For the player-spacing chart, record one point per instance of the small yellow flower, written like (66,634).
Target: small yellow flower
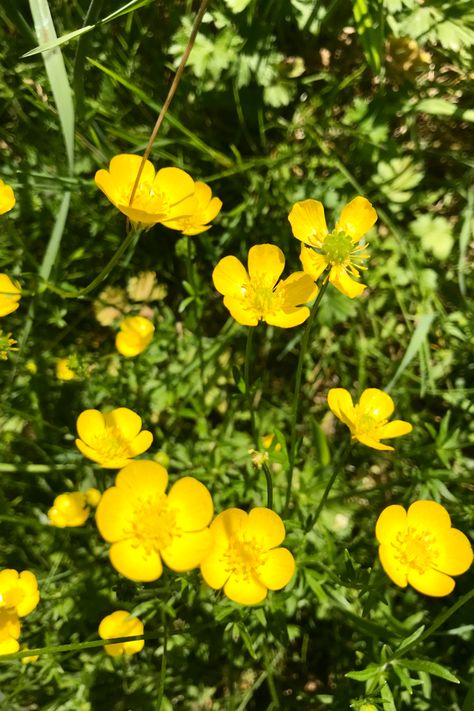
(7,198)
(146,526)
(7,345)
(30,659)
(69,510)
(18,591)
(368,421)
(340,249)
(207,209)
(419,547)
(64,371)
(112,439)
(258,295)
(267,441)
(136,333)
(121,624)
(10,295)
(245,558)
(160,197)
(10,629)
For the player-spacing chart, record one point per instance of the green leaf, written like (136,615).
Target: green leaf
(416,343)
(441,107)
(425,665)
(409,641)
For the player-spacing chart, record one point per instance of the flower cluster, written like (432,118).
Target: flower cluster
(73,508)
(169,197)
(19,596)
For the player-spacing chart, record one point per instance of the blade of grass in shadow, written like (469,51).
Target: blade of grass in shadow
(92,14)
(416,343)
(464,241)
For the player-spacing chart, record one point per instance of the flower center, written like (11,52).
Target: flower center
(153,525)
(243,558)
(111,444)
(367,423)
(416,549)
(145,198)
(337,246)
(11,598)
(260,297)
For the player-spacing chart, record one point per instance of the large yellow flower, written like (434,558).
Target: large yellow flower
(145,526)
(121,624)
(340,249)
(245,558)
(135,335)
(207,209)
(368,421)
(112,439)
(257,295)
(166,195)
(10,295)
(7,198)
(10,629)
(419,547)
(18,591)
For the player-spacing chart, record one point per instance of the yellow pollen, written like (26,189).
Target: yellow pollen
(244,558)
(260,297)
(111,444)
(416,549)
(153,525)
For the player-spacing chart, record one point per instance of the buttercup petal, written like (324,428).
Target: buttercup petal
(187,551)
(145,478)
(429,515)
(248,591)
(265,263)
(376,403)
(341,405)
(29,585)
(392,566)
(114,514)
(121,624)
(396,428)
(391,522)
(431,582)
(369,441)
(341,280)
(308,222)
(176,184)
(313,263)
(127,422)
(191,503)
(298,289)
(267,526)
(124,169)
(278,569)
(455,552)
(357,217)
(7,198)
(239,311)
(93,454)
(230,277)
(287,319)
(130,559)
(141,443)
(90,425)
(228,524)
(214,573)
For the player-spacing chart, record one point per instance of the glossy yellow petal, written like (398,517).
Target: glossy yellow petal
(96,456)
(313,263)
(370,441)
(90,425)
(191,503)
(240,311)
(431,582)
(455,553)
(392,566)
(265,264)
(267,526)
(308,222)
(298,289)
(429,515)
(187,551)
(376,403)
(396,428)
(129,345)
(131,559)
(341,405)
(245,591)
(145,479)
(278,569)
(287,319)
(228,524)
(7,198)
(121,624)
(341,280)
(114,514)
(230,277)
(175,184)
(141,443)
(10,295)
(125,166)
(69,509)
(127,422)
(390,523)
(357,218)
(213,570)
(8,645)
(30,594)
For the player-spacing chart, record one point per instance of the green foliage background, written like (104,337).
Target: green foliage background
(281,101)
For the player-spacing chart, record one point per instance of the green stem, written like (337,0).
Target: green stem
(297,392)
(161,688)
(197,303)
(336,470)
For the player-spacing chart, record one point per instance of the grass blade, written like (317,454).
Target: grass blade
(416,343)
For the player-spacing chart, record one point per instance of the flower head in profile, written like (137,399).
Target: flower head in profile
(245,558)
(207,209)
(18,591)
(10,295)
(368,420)
(112,439)
(340,249)
(135,335)
(121,624)
(73,508)
(257,294)
(419,547)
(7,345)
(146,527)
(10,629)
(159,197)
(7,198)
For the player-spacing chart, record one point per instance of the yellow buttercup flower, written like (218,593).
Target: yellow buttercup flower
(207,209)
(340,249)
(31,659)
(112,439)
(121,624)
(368,421)
(93,496)
(64,371)
(146,526)
(18,591)
(10,629)
(258,295)
(136,333)
(69,510)
(7,198)
(419,547)
(159,197)
(10,295)
(245,558)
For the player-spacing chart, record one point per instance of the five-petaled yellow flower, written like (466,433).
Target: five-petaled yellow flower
(207,209)
(135,335)
(340,249)
(121,624)
(18,591)
(7,198)
(245,558)
(368,421)
(72,509)
(258,295)
(419,547)
(146,526)
(10,295)
(112,439)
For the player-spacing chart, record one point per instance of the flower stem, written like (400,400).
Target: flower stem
(297,392)
(336,470)
(197,306)
(161,688)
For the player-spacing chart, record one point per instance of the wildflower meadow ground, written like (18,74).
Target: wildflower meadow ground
(236,356)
